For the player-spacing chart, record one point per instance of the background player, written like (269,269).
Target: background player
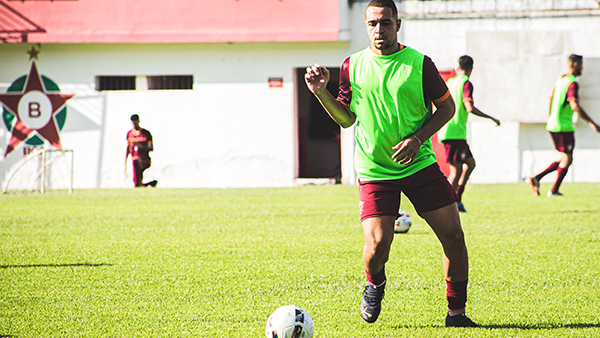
(139,145)
(563,103)
(388,88)
(454,134)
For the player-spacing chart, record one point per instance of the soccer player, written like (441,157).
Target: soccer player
(454,134)
(139,145)
(563,103)
(387,90)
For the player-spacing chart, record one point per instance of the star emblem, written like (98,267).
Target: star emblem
(34,111)
(33,53)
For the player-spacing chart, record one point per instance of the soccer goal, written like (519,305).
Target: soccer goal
(42,169)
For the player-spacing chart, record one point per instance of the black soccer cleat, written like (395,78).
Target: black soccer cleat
(459,321)
(370,307)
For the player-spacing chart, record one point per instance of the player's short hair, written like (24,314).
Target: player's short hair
(575,58)
(465,62)
(384,4)
(135,117)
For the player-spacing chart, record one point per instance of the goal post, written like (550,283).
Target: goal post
(42,169)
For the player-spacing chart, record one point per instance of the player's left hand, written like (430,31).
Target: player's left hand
(406,150)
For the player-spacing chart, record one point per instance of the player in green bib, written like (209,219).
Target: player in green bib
(387,91)
(454,134)
(563,104)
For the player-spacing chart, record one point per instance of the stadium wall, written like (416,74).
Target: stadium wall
(233,130)
(518,57)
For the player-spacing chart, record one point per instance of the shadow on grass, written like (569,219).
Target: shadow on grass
(52,266)
(542,326)
(539,326)
(578,212)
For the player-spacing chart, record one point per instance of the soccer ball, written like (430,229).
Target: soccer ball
(290,321)
(403,222)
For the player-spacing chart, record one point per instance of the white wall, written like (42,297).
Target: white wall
(517,60)
(232,130)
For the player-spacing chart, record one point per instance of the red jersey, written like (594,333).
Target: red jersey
(139,143)
(468,91)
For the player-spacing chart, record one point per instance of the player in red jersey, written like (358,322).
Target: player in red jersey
(139,145)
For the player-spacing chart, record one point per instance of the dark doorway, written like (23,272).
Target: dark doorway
(317,135)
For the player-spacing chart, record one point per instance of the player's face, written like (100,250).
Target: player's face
(382,28)
(136,124)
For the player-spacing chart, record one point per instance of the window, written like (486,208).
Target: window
(172,82)
(115,83)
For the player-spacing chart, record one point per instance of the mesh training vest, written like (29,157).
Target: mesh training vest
(387,97)
(561,114)
(456,128)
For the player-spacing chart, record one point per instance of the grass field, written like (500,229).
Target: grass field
(216,263)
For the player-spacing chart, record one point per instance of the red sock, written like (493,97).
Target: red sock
(456,293)
(553,166)
(562,172)
(377,278)
(459,191)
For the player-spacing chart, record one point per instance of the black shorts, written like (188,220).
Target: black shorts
(457,151)
(564,141)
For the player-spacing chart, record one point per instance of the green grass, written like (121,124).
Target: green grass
(216,263)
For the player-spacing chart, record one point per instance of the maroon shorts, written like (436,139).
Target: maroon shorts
(564,141)
(427,189)
(457,151)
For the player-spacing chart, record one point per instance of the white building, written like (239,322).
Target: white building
(248,120)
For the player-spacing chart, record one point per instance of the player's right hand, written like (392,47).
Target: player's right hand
(316,78)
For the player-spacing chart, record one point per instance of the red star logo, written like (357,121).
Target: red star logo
(34,110)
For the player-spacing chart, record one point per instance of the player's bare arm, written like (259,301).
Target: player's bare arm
(407,149)
(317,78)
(577,108)
(470,107)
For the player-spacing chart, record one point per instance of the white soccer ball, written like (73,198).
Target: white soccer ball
(290,321)
(403,222)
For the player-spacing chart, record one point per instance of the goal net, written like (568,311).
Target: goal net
(40,170)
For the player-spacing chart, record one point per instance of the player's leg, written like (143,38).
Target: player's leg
(138,172)
(378,234)
(379,203)
(455,165)
(534,181)
(435,201)
(468,167)
(445,223)
(454,174)
(146,164)
(566,159)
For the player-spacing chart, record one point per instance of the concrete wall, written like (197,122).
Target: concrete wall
(517,60)
(232,130)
